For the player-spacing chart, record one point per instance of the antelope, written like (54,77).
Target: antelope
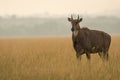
(87,41)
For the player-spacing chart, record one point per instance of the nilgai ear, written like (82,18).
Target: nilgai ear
(80,19)
(69,19)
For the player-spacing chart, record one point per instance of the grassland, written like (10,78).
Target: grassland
(53,58)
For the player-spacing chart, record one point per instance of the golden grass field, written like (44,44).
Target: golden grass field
(53,58)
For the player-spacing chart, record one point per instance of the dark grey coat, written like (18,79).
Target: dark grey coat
(91,41)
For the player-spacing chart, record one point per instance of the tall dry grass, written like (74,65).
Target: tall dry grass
(53,58)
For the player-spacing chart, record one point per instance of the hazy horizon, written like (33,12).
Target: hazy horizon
(49,17)
(14,26)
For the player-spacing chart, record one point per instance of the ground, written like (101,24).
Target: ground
(53,58)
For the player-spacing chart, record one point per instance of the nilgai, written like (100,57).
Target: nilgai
(87,41)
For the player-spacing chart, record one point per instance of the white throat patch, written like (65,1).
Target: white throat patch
(75,33)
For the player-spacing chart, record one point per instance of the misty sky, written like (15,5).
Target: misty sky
(60,7)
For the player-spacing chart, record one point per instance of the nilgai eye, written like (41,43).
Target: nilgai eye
(76,22)
(72,29)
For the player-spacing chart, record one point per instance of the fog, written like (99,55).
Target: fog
(60,7)
(12,26)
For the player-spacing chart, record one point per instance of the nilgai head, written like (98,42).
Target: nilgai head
(75,24)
